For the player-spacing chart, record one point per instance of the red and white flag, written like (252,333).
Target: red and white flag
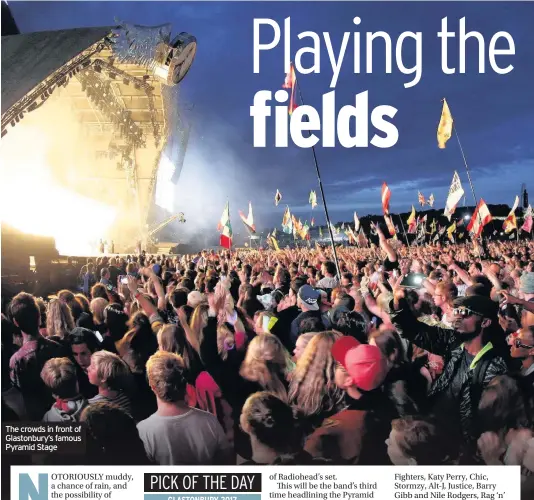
(456,192)
(510,223)
(249,219)
(226,236)
(527,224)
(386,195)
(480,218)
(291,83)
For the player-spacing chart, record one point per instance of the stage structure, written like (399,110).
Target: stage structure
(85,122)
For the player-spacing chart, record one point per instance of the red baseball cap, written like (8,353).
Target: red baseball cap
(365,363)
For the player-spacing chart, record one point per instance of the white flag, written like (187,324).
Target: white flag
(456,192)
(356,223)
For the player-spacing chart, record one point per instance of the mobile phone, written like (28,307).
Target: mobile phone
(413,280)
(124,280)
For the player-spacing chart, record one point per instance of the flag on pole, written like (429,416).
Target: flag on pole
(456,192)
(356,223)
(445,125)
(350,235)
(224,217)
(274,242)
(421,198)
(433,226)
(411,219)
(226,236)
(480,218)
(450,230)
(249,219)
(431,200)
(527,224)
(274,232)
(312,222)
(287,224)
(412,222)
(362,240)
(510,222)
(277,197)
(291,83)
(386,195)
(421,232)
(320,231)
(389,224)
(313,199)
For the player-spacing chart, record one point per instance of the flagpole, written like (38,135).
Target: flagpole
(323,196)
(468,175)
(466,167)
(404,231)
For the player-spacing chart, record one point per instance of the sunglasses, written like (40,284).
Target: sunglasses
(518,344)
(464,311)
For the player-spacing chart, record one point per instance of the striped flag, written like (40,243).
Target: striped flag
(445,126)
(480,218)
(224,218)
(249,219)
(226,236)
(386,195)
(291,83)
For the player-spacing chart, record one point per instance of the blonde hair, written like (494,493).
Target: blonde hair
(59,320)
(97,307)
(312,389)
(268,363)
(111,370)
(59,375)
(199,320)
(165,372)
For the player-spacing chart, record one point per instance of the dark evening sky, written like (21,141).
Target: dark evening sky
(494,113)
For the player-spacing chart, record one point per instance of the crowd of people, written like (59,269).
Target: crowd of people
(279,357)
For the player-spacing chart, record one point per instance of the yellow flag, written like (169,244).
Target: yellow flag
(451,230)
(445,126)
(411,219)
